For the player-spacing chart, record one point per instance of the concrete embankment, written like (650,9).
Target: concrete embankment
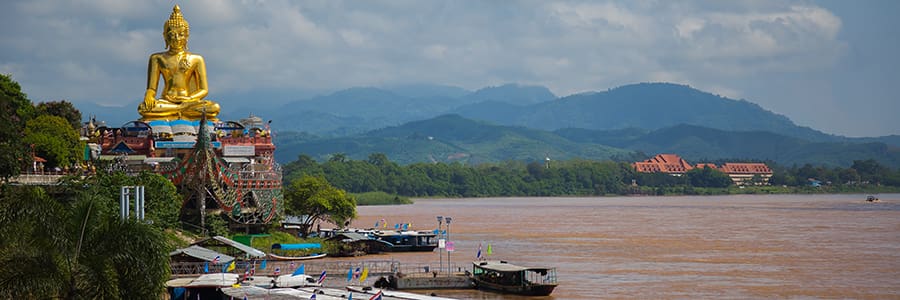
(420,282)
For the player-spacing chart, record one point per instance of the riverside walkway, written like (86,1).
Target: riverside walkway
(339,274)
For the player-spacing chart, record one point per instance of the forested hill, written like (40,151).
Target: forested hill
(452,138)
(648,106)
(696,144)
(448,138)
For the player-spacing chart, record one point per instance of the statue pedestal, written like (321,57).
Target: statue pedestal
(178,130)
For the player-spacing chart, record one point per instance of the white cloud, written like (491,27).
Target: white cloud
(354,38)
(435,52)
(569,46)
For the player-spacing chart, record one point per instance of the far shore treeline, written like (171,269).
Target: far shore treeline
(575,178)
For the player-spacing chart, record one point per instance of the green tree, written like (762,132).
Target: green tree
(708,177)
(338,157)
(63,109)
(74,250)
(870,170)
(15,110)
(304,165)
(315,198)
(54,140)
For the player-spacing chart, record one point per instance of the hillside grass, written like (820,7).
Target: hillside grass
(278,237)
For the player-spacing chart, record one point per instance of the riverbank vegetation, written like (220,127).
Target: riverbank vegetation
(577,178)
(380,198)
(68,241)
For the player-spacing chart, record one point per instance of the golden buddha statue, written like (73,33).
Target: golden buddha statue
(184,78)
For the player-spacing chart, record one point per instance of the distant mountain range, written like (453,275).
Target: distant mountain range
(530,122)
(701,144)
(448,138)
(452,138)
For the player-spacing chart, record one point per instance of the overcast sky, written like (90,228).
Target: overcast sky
(830,65)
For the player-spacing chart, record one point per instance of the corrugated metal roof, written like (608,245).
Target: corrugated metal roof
(253,252)
(202,253)
(504,267)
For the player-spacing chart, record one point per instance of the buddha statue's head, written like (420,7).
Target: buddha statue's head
(176,30)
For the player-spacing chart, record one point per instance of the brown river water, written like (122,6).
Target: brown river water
(685,247)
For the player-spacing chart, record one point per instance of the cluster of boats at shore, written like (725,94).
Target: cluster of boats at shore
(497,276)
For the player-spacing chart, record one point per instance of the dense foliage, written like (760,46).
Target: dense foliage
(317,199)
(48,130)
(70,242)
(15,110)
(861,173)
(53,139)
(558,178)
(63,109)
(576,177)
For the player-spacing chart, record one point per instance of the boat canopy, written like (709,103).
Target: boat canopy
(502,266)
(296,246)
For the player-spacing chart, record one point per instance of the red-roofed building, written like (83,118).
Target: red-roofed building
(706,165)
(740,173)
(743,173)
(664,163)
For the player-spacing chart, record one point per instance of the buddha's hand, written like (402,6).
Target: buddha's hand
(149,103)
(182,99)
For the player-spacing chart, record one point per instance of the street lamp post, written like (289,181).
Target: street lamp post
(449,266)
(440,249)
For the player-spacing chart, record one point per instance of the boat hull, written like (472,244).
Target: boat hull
(279,257)
(402,248)
(528,290)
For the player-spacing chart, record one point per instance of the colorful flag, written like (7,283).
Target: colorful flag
(313,297)
(357,273)
(300,270)
(206,268)
(478,255)
(321,278)
(216,260)
(350,274)
(230,267)
(350,297)
(365,274)
(383,223)
(490,250)
(450,246)
(277,271)
(263,265)
(377,296)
